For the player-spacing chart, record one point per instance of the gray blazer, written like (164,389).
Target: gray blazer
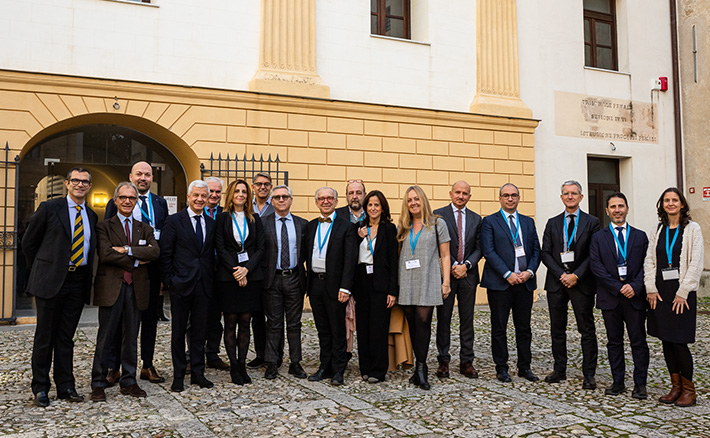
(271,249)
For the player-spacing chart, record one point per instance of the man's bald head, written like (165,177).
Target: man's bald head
(142,176)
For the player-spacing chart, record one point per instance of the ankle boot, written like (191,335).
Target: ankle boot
(414,380)
(687,395)
(235,374)
(422,372)
(673,395)
(243,371)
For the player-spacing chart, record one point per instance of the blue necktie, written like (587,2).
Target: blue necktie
(198,231)
(144,210)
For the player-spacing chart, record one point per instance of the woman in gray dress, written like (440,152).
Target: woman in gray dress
(423,239)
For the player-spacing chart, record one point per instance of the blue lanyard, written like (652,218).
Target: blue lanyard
(321,244)
(669,248)
(618,244)
(241,235)
(149,213)
(413,242)
(213,215)
(574,231)
(517,220)
(369,241)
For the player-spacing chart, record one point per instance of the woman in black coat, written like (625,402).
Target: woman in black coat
(239,241)
(375,285)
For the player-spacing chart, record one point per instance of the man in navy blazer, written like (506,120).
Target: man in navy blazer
(465,250)
(187,262)
(512,251)
(616,259)
(565,252)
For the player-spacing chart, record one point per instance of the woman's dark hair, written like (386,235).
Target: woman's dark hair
(684,211)
(385,216)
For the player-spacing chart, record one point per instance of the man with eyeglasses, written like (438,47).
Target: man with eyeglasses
(331,252)
(152,210)
(122,289)
(284,283)
(59,246)
(565,252)
(512,251)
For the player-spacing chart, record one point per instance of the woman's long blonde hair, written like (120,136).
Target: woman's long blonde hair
(248,206)
(406,219)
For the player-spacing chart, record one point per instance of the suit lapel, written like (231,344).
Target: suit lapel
(581,225)
(187,225)
(503,224)
(469,224)
(117,228)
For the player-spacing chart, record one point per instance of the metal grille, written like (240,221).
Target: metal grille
(8,234)
(230,169)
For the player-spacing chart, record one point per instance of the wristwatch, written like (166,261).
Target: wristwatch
(468,264)
(126,248)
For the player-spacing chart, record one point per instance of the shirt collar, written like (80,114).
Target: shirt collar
(278,217)
(576,213)
(73,204)
(331,216)
(192,213)
(124,218)
(456,209)
(623,227)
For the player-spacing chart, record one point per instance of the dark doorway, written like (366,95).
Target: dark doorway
(603,180)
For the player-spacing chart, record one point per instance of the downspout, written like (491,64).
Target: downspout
(676,97)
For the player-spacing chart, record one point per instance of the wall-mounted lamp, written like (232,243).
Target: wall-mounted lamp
(99,200)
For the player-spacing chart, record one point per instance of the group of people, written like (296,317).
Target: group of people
(251,262)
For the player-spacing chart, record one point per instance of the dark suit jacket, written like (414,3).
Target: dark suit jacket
(160,210)
(341,255)
(228,248)
(47,246)
(112,264)
(472,239)
(499,250)
(603,263)
(271,249)
(385,259)
(553,245)
(182,263)
(344,212)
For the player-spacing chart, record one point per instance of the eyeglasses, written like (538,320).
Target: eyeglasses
(76,182)
(510,195)
(325,198)
(262,184)
(127,198)
(281,197)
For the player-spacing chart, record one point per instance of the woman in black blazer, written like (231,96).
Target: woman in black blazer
(239,241)
(375,285)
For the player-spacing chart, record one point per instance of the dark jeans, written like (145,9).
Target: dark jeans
(466,294)
(518,299)
(283,299)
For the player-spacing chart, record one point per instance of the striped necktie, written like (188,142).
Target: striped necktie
(77,244)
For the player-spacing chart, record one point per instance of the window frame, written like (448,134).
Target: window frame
(593,17)
(382,15)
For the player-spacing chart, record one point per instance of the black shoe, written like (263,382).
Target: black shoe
(272,371)
(319,375)
(71,395)
(177,385)
(615,389)
(556,377)
(503,376)
(201,381)
(639,392)
(589,383)
(241,367)
(337,379)
(236,375)
(528,374)
(256,362)
(41,399)
(297,370)
(422,372)
(217,364)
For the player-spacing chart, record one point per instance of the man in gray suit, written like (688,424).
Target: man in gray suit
(284,283)
(465,230)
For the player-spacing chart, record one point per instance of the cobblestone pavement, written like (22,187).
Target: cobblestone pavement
(291,407)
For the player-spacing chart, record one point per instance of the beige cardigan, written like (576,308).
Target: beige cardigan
(691,261)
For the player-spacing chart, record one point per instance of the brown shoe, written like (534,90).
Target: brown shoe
(98,395)
(151,375)
(133,390)
(673,395)
(687,395)
(112,377)
(469,371)
(443,370)
(218,364)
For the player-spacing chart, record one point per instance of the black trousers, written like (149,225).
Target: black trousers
(57,320)
(583,307)
(329,316)
(635,321)
(123,317)
(466,294)
(193,308)
(215,331)
(258,328)
(520,300)
(372,322)
(283,299)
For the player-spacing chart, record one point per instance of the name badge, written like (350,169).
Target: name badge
(519,251)
(567,257)
(412,264)
(156,233)
(670,274)
(141,242)
(369,269)
(622,270)
(243,257)
(319,264)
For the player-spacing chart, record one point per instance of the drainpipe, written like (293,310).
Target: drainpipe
(676,97)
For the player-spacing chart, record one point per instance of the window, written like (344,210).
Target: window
(390,18)
(600,49)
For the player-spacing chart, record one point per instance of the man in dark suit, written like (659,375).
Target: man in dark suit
(284,282)
(187,261)
(616,259)
(261,188)
(465,249)
(59,246)
(565,252)
(122,289)
(512,251)
(152,210)
(329,243)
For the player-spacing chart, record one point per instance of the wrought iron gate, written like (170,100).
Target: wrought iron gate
(230,169)
(8,234)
